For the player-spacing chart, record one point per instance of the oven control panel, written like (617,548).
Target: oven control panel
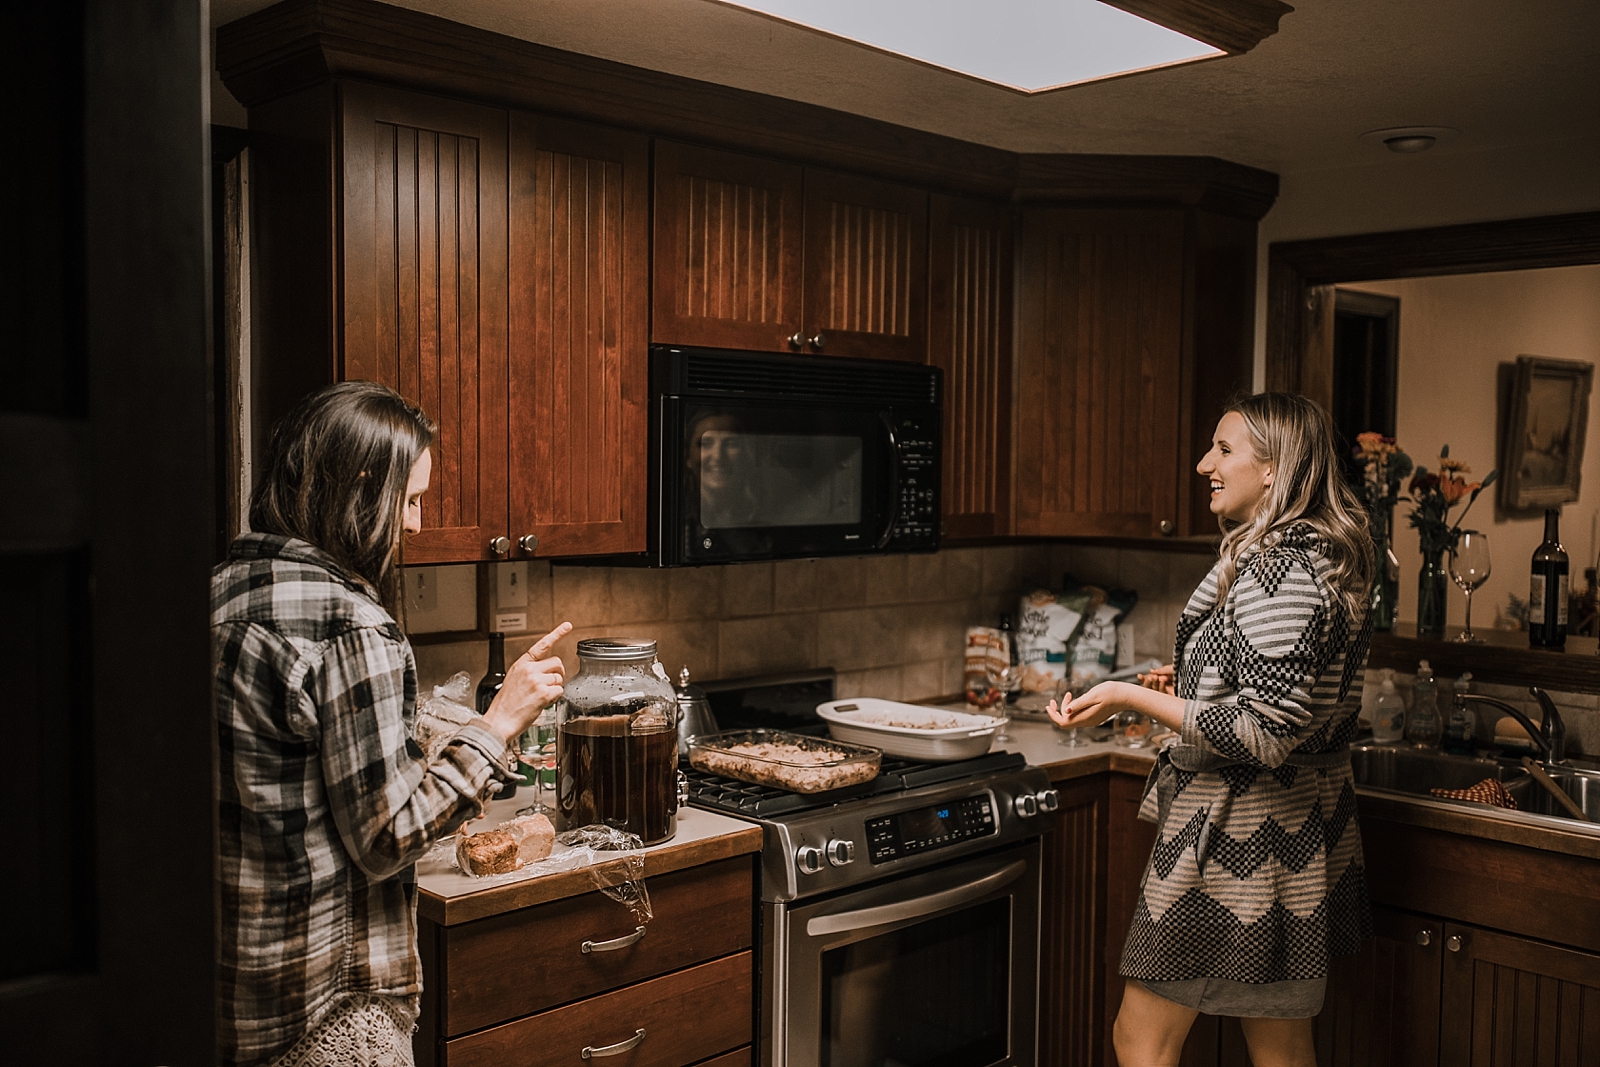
(907,833)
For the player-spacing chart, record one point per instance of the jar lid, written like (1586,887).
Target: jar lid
(611,648)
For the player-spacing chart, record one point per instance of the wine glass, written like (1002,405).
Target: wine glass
(1469,568)
(1003,680)
(539,755)
(1063,697)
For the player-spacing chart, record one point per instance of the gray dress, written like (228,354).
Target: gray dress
(1256,879)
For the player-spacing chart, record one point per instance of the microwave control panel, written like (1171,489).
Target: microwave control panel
(907,833)
(916,521)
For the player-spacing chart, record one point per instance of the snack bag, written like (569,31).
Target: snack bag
(987,656)
(1093,654)
(1046,624)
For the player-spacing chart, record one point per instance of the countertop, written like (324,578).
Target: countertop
(1041,744)
(448,897)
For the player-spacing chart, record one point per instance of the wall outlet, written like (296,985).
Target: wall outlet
(440,599)
(511,622)
(511,585)
(422,589)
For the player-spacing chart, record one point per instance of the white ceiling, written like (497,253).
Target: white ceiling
(1504,74)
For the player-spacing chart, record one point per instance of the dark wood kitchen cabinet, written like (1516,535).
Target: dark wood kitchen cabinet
(1382,1004)
(1512,1000)
(753,253)
(1098,365)
(579,321)
(538,985)
(492,267)
(422,201)
(1133,328)
(969,338)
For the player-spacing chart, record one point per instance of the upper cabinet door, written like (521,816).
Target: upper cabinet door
(579,356)
(969,338)
(866,254)
(727,250)
(1099,372)
(424,294)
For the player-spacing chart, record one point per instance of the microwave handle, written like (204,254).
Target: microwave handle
(900,911)
(894,480)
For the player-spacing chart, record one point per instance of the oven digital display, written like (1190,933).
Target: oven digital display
(935,826)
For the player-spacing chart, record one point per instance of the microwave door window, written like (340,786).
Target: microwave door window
(751,480)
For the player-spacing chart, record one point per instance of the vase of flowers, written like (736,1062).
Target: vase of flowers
(1434,494)
(1383,468)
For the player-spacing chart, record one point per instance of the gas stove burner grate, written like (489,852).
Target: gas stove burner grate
(897,775)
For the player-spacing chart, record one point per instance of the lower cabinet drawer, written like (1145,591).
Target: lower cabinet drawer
(737,1058)
(685,1017)
(531,960)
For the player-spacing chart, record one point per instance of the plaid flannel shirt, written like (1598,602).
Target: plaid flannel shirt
(323,800)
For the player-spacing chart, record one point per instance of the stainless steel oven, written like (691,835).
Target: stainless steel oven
(759,456)
(937,968)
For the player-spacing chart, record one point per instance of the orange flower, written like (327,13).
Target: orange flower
(1454,489)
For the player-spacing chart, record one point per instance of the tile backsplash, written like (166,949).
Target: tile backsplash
(892,626)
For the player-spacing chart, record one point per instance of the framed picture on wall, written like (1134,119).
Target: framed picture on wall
(1543,457)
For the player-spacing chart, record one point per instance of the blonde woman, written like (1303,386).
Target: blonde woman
(1256,879)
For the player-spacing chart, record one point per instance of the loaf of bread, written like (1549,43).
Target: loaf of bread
(491,852)
(535,836)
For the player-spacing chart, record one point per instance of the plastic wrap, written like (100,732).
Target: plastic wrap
(443,715)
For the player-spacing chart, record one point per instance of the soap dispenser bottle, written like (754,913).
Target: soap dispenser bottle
(1388,712)
(1423,725)
(1461,731)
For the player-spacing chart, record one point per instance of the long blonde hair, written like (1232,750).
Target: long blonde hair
(1295,437)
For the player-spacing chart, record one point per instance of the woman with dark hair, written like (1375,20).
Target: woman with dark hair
(324,798)
(1256,879)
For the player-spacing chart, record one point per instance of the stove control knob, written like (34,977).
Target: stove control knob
(841,852)
(1049,800)
(808,858)
(1026,805)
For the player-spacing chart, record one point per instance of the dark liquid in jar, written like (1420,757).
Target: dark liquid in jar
(606,773)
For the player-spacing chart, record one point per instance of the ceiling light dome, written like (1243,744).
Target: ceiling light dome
(1409,140)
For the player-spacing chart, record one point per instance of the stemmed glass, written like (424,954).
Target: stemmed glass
(1003,681)
(539,754)
(1469,568)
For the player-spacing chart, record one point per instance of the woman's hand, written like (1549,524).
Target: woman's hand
(1161,679)
(532,684)
(1099,704)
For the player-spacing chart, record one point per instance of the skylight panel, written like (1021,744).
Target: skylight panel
(1028,45)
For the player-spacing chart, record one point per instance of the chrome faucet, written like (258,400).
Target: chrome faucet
(1551,733)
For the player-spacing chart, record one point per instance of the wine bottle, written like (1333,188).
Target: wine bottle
(490,686)
(1547,596)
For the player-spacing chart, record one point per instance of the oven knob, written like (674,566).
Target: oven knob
(841,852)
(1049,800)
(808,858)
(1027,805)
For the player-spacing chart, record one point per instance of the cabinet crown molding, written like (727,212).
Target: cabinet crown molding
(299,43)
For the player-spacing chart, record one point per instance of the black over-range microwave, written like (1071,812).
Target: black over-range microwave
(759,456)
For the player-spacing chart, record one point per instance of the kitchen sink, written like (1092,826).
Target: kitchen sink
(1411,770)
(1583,786)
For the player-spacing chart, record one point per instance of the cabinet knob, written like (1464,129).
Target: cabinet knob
(1424,938)
(1453,943)
(500,545)
(1167,527)
(797,339)
(529,543)
(816,342)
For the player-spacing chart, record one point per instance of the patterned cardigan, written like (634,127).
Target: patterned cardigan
(1257,874)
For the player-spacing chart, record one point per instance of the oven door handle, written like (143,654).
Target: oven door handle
(894,481)
(916,908)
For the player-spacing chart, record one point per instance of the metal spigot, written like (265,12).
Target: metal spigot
(1550,735)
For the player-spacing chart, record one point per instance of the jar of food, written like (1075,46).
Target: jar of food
(617,741)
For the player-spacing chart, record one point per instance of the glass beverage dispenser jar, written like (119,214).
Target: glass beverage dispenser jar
(617,742)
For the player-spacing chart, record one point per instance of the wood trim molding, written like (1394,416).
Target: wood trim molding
(1235,26)
(1295,270)
(299,43)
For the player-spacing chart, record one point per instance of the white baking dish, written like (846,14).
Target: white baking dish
(910,730)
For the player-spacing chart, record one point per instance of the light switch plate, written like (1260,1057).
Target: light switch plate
(511,585)
(422,589)
(440,599)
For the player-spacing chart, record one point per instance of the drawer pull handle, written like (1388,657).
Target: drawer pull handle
(613,945)
(590,1052)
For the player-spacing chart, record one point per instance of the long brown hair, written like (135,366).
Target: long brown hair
(1295,437)
(336,473)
